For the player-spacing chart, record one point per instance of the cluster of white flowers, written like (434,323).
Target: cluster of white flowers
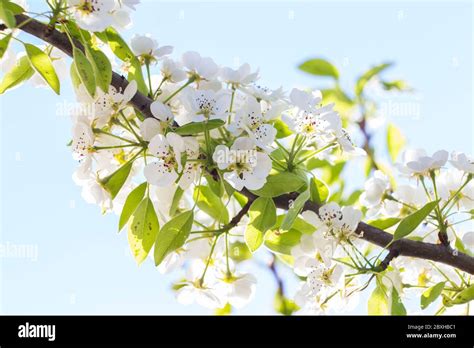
(97,15)
(196,91)
(314,255)
(211,124)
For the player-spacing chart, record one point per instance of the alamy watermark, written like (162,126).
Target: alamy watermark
(19,251)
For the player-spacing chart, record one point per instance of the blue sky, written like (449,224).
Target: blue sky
(82,264)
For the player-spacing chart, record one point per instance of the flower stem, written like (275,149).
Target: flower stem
(191,80)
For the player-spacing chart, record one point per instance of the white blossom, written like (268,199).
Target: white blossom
(245,167)
(418,162)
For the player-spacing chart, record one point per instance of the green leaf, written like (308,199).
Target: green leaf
(409,223)
(42,63)
(21,71)
(397,307)
(114,182)
(143,230)
(117,44)
(123,52)
(198,127)
(294,210)
(299,224)
(4,44)
(279,184)
(211,204)
(75,79)
(102,68)
(378,302)
(431,294)
(131,203)
(282,242)
(320,67)
(395,141)
(369,74)
(319,191)
(11,6)
(239,251)
(6,15)
(284,305)
(262,215)
(463,297)
(216,186)
(384,223)
(282,129)
(173,235)
(85,71)
(135,73)
(178,194)
(398,85)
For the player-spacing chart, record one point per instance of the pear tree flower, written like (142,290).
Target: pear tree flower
(264,93)
(199,68)
(196,289)
(106,105)
(169,150)
(244,165)
(96,15)
(239,78)
(462,162)
(147,49)
(254,123)
(417,162)
(172,71)
(202,105)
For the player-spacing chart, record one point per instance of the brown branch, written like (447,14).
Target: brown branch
(403,247)
(61,41)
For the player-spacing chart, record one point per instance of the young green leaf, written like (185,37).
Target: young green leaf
(397,307)
(102,68)
(369,74)
(114,182)
(85,71)
(409,223)
(282,129)
(294,210)
(42,63)
(143,230)
(299,224)
(262,215)
(239,251)
(211,204)
(131,203)
(135,73)
(431,294)
(178,194)
(75,79)
(384,223)
(6,15)
(320,67)
(282,242)
(279,184)
(117,44)
(172,235)
(378,302)
(318,190)
(395,141)
(22,71)
(198,127)
(4,44)
(462,297)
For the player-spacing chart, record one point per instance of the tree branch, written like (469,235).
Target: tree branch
(403,247)
(61,41)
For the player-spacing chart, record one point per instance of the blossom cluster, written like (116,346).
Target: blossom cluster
(214,142)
